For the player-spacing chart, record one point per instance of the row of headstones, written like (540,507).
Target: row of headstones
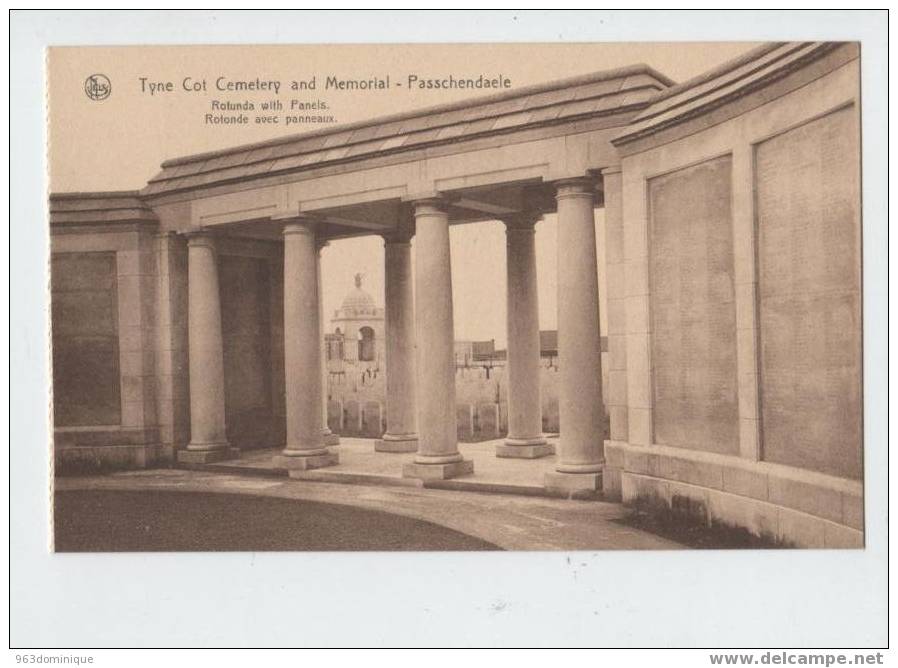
(479,422)
(475,422)
(356,418)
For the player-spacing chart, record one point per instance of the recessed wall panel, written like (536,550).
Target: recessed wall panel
(86,381)
(809,285)
(246,337)
(693,316)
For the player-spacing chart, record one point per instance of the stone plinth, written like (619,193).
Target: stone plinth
(438,471)
(525,450)
(306,462)
(207,456)
(574,485)
(394,443)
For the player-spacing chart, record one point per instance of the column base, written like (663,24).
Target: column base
(330,438)
(207,456)
(306,462)
(387,444)
(574,485)
(438,471)
(531,448)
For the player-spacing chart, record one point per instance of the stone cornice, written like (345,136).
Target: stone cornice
(726,85)
(100,208)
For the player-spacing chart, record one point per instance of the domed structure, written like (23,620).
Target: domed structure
(357,301)
(357,329)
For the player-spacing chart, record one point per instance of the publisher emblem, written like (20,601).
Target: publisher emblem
(97,87)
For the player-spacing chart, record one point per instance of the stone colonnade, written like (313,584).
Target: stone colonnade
(420,340)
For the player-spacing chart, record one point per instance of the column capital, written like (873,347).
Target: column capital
(582,186)
(428,203)
(523,221)
(200,237)
(299,225)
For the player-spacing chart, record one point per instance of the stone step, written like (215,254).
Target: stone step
(487,487)
(354,478)
(234,469)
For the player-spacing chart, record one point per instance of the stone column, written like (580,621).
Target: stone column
(617,304)
(438,455)
(615,317)
(525,437)
(330,438)
(581,413)
(302,352)
(208,439)
(401,434)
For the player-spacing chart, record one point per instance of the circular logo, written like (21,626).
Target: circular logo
(97,87)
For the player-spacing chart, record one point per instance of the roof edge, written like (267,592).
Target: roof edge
(594,77)
(99,194)
(715,72)
(652,123)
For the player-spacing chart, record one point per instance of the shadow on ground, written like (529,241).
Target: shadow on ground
(121,521)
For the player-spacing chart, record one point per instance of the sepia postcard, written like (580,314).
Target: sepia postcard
(541,297)
(448,329)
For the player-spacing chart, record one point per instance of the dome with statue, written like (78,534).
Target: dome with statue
(357,301)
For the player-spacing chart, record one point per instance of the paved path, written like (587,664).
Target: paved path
(510,522)
(358,458)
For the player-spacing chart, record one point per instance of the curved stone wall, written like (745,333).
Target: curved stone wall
(752,303)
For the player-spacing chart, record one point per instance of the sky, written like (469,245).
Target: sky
(119,143)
